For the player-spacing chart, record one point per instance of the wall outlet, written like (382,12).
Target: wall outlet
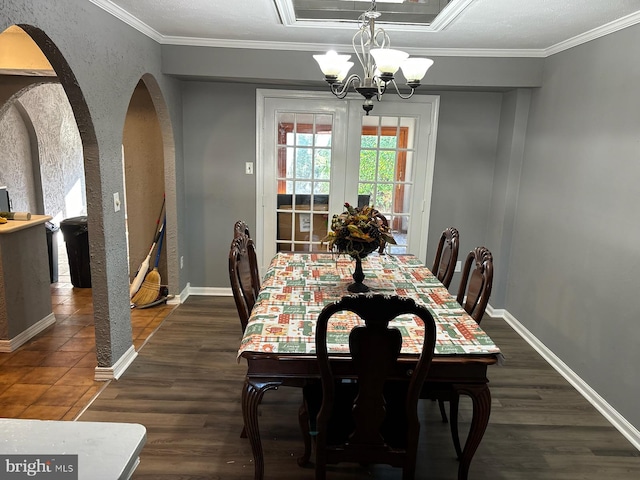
(248,168)
(116,202)
(458,266)
(182,261)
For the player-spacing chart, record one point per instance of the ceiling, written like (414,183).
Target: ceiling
(533,28)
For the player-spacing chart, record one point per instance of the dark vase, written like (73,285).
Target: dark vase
(358,276)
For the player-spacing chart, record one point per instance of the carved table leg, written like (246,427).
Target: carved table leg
(481,398)
(252,394)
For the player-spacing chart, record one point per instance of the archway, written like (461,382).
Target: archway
(53,68)
(148,161)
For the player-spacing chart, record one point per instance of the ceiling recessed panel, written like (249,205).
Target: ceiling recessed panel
(408,12)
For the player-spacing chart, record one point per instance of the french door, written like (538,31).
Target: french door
(316,152)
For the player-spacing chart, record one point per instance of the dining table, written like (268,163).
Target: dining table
(279,340)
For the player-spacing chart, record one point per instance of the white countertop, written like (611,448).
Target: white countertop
(106,451)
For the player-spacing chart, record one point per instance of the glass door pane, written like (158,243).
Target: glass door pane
(385,175)
(304,154)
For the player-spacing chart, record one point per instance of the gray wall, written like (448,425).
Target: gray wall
(220,136)
(100,60)
(575,256)
(299,68)
(219,122)
(464,169)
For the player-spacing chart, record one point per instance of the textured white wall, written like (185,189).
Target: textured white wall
(15,162)
(58,149)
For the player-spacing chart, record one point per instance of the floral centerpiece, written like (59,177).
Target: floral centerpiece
(358,232)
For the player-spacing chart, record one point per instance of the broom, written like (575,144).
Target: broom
(144,266)
(150,288)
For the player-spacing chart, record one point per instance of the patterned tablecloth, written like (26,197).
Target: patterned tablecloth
(298,285)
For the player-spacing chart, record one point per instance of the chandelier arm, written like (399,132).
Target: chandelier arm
(404,97)
(373,83)
(359,53)
(341,90)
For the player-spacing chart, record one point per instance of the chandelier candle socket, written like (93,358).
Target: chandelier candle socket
(379,63)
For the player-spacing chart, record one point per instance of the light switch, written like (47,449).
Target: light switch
(248,168)
(116,202)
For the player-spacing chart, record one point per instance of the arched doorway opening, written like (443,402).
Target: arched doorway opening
(148,159)
(23,89)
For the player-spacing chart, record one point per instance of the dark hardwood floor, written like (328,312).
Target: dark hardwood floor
(185,387)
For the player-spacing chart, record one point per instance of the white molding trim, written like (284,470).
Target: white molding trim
(7,346)
(601,31)
(611,414)
(103,374)
(121,14)
(322,47)
(184,294)
(145,29)
(211,291)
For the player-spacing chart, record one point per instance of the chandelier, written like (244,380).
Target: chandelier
(379,63)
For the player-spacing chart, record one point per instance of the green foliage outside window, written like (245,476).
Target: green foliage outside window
(377,166)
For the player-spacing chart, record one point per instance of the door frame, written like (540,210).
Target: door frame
(261,176)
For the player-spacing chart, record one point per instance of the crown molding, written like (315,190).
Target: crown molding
(321,47)
(456,8)
(601,31)
(127,18)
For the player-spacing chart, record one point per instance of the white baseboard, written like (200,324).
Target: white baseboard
(103,374)
(7,346)
(211,291)
(630,432)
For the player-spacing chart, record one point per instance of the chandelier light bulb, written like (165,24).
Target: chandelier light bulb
(331,63)
(388,60)
(414,69)
(345,71)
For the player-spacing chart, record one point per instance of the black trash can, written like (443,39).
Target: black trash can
(52,247)
(76,236)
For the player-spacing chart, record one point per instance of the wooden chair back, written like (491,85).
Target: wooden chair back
(444,264)
(475,285)
(381,416)
(245,284)
(241,228)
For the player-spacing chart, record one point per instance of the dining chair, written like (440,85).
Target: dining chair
(241,228)
(444,264)
(475,286)
(244,277)
(473,294)
(376,420)
(245,284)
